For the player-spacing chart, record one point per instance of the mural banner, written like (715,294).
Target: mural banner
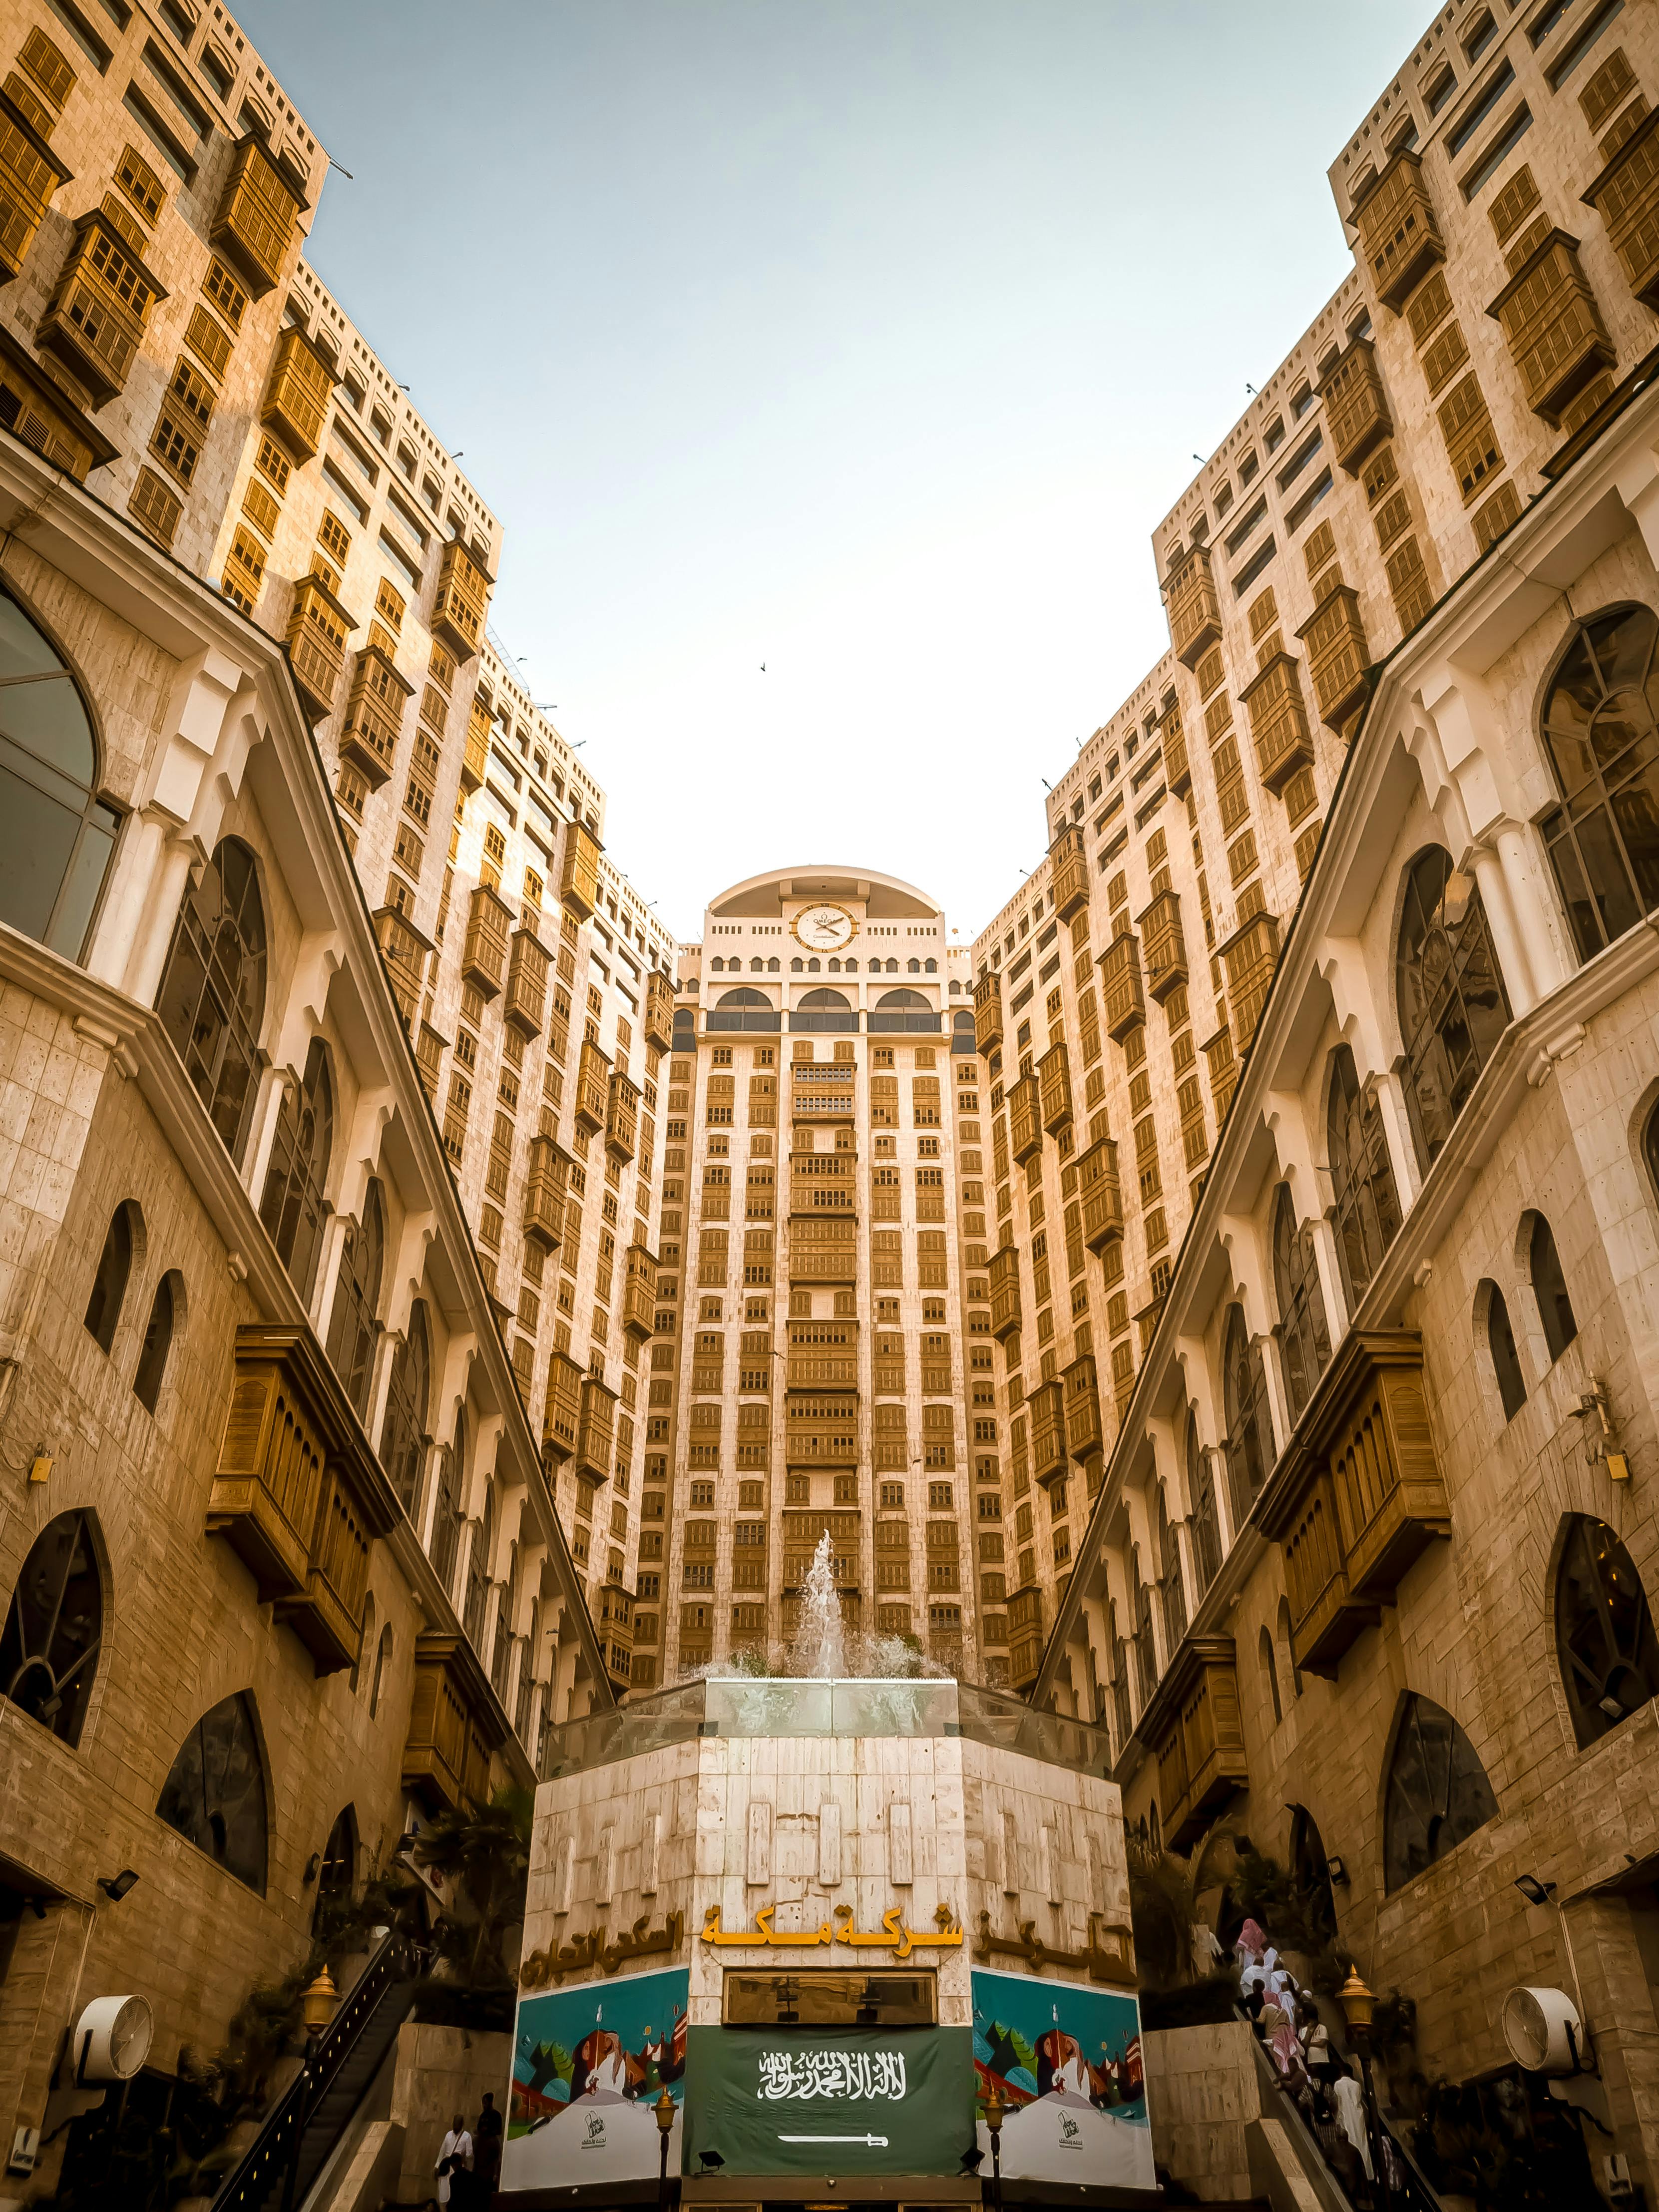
(588,2065)
(829,2100)
(1066,2060)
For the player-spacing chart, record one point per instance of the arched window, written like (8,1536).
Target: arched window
(758,966)
(408,1396)
(813,967)
(1121,1711)
(293,1208)
(797,966)
(353,1330)
(382,1661)
(1507,1361)
(54,1627)
(1145,1638)
(1270,1675)
(1172,1588)
(1437,1792)
(773,966)
(904,998)
(824,997)
(850,967)
(1311,1869)
(1549,1287)
(1604,1638)
(478,1571)
(1250,1449)
(1366,1213)
(527,1684)
(1600,730)
(744,996)
(366,1642)
(930,967)
(212,999)
(109,1285)
(215,1793)
(447,1507)
(336,1877)
(1206,1512)
(892,967)
(166,1310)
(1304,1338)
(56,833)
(1452,1003)
(913,967)
(1289,1642)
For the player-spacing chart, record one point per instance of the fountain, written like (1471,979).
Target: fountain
(806,1904)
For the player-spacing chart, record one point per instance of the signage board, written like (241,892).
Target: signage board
(588,2066)
(1066,2061)
(842,2102)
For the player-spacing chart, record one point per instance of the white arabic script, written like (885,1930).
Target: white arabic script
(849,2074)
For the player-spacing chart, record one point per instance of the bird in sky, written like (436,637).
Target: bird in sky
(762,668)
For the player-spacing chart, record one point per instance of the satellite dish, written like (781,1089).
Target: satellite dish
(112,2039)
(1542,2030)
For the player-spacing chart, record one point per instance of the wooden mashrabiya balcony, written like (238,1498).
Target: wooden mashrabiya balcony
(1191,1727)
(298,1494)
(1359,1495)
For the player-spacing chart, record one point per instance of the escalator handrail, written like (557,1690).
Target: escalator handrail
(393,1956)
(1419,2196)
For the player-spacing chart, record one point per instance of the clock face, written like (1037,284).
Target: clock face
(824,928)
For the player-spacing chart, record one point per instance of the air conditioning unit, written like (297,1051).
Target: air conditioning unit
(1543,2031)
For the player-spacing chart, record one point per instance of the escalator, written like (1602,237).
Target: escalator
(302,2128)
(1293,2167)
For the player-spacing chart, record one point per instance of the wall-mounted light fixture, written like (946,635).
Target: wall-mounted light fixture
(115,1886)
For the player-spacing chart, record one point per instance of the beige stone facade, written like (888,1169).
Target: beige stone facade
(819,1372)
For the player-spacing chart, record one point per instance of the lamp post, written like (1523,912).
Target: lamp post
(1358,2006)
(316,2010)
(666,2109)
(995,2113)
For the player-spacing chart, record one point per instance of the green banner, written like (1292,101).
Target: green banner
(846,2101)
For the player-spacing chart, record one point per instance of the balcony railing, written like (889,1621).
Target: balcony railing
(452,1729)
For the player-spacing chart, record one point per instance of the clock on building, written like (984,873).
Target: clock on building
(824,928)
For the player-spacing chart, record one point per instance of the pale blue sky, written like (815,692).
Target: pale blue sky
(868,341)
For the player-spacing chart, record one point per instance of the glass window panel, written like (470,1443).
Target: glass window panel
(48,721)
(23,650)
(37,839)
(822,1999)
(1604,1636)
(85,880)
(1636,810)
(214,1794)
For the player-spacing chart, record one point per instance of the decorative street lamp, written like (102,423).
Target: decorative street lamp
(666,2109)
(317,2008)
(1359,2005)
(995,2113)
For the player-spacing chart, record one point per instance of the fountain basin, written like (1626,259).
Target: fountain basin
(827,1916)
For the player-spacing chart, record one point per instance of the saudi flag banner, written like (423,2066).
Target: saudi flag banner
(829,2100)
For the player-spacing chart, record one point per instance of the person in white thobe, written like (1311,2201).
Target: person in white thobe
(1349,2103)
(457,2148)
